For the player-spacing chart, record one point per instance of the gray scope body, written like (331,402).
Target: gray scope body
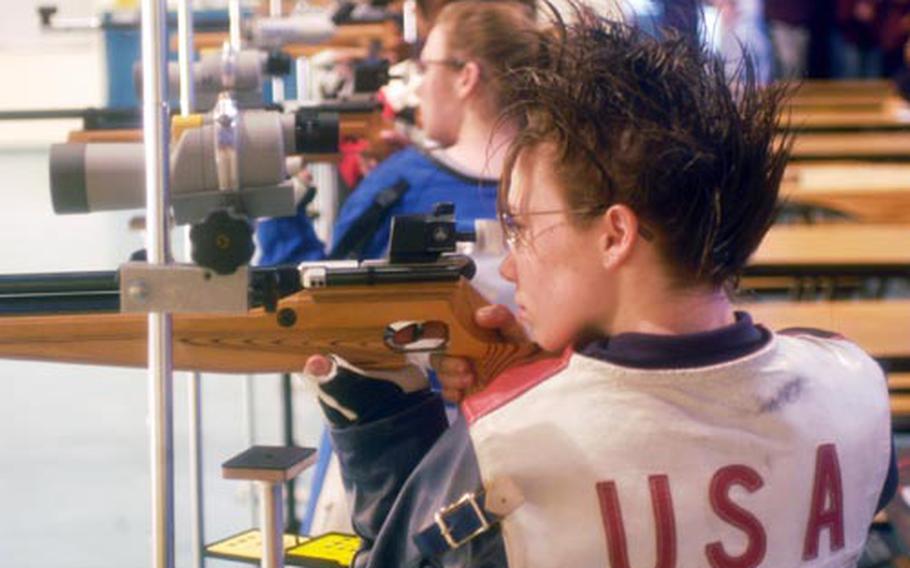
(311,27)
(87,177)
(250,68)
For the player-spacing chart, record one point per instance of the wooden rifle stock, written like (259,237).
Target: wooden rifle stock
(351,321)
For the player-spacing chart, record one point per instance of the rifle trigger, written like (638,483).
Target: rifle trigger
(415,337)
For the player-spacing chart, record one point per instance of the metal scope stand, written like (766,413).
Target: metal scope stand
(270,467)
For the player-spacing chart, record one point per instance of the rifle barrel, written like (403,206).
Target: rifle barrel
(59,304)
(99,291)
(58,283)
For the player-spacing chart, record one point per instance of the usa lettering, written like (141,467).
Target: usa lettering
(825,514)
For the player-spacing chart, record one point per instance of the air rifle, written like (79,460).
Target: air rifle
(371,313)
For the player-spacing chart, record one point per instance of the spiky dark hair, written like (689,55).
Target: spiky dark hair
(654,123)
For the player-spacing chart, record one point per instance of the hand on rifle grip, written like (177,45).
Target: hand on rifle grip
(317,367)
(457,374)
(348,395)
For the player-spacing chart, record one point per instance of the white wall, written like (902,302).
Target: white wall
(50,76)
(20,26)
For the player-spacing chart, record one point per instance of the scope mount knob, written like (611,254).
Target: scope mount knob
(223,242)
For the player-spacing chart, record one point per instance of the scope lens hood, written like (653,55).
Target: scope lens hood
(316,131)
(67,171)
(278,64)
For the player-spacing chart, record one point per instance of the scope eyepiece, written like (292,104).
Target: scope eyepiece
(278,64)
(68,185)
(316,131)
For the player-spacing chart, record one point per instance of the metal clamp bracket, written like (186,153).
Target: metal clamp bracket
(182,288)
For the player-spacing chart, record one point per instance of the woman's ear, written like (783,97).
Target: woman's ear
(468,80)
(618,234)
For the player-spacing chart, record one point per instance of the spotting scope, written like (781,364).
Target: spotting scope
(228,157)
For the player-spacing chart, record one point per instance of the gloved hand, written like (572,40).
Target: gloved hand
(349,395)
(456,374)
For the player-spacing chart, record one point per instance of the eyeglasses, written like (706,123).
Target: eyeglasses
(513,230)
(423,64)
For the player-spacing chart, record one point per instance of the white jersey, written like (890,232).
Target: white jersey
(775,459)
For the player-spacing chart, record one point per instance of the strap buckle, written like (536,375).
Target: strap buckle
(467,502)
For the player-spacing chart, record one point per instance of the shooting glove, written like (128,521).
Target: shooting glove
(348,395)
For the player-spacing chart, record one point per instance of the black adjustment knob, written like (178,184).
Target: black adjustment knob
(277,64)
(223,242)
(343,13)
(46,12)
(371,75)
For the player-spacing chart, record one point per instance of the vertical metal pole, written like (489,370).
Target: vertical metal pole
(186,57)
(197,495)
(234,15)
(278,81)
(287,417)
(325,176)
(156,130)
(409,23)
(249,412)
(302,70)
(186,60)
(272,525)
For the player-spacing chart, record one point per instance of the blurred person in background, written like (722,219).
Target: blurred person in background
(470,49)
(856,39)
(460,94)
(681,15)
(743,30)
(893,35)
(789,23)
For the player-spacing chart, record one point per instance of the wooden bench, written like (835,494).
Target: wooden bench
(852,102)
(828,261)
(882,328)
(876,90)
(842,86)
(891,114)
(832,111)
(899,381)
(899,387)
(839,249)
(838,146)
(846,106)
(841,94)
(870,192)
